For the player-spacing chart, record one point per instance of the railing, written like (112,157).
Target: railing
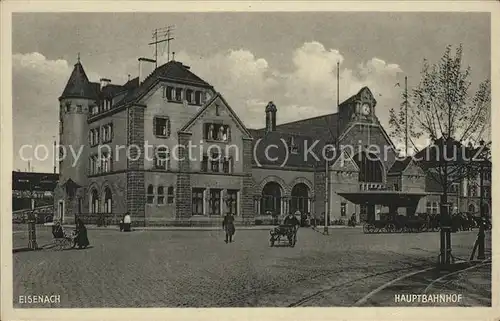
(43,214)
(371,186)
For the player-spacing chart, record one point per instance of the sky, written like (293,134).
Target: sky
(250,58)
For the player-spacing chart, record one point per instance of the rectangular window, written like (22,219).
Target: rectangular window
(178,94)
(197,97)
(189,96)
(170,195)
(161,126)
(214,202)
(215,163)
(150,194)
(232,201)
(435,207)
(343,209)
(197,201)
(168,92)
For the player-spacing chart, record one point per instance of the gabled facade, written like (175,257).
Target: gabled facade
(167,148)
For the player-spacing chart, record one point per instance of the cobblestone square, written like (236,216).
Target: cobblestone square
(155,268)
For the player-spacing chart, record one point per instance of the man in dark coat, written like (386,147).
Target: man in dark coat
(228,226)
(291,220)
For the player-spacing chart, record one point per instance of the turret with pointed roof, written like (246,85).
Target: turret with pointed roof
(78,85)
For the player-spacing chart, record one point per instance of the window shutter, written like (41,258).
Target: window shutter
(154,126)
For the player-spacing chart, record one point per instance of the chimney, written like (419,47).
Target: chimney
(271,117)
(146,67)
(105,82)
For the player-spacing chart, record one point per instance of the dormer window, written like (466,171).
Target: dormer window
(169,92)
(68,107)
(197,97)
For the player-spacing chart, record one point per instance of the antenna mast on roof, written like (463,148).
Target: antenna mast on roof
(164,33)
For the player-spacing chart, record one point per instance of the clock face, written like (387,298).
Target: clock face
(365,109)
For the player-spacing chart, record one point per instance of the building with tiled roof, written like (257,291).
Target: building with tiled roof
(167,148)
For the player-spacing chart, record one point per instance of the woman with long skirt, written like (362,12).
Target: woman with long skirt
(81,238)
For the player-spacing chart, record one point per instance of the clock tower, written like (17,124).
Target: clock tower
(359,108)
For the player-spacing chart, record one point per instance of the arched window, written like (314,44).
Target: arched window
(150,194)
(161,195)
(161,158)
(107,200)
(472,209)
(94,201)
(300,198)
(271,199)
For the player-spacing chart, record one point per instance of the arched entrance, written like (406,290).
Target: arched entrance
(370,177)
(300,198)
(271,198)
(94,201)
(107,200)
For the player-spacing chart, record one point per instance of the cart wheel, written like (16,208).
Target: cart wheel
(390,228)
(366,228)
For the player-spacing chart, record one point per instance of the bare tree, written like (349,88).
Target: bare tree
(442,110)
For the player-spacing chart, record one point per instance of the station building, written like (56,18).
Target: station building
(167,148)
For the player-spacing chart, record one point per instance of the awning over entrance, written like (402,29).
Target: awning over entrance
(385,198)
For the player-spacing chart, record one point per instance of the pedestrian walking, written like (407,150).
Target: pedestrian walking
(127,222)
(228,226)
